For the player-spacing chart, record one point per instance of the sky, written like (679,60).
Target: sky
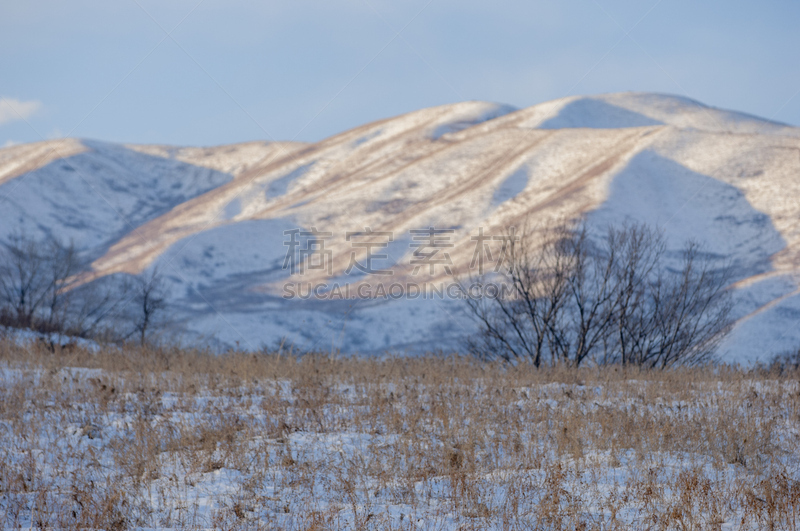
(209,72)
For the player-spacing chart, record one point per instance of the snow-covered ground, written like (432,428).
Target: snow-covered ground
(185,441)
(214,220)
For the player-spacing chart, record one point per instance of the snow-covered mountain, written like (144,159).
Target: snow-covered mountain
(218,221)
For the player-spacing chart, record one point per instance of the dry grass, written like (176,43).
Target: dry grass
(186,439)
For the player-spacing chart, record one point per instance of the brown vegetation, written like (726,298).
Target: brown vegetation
(123,438)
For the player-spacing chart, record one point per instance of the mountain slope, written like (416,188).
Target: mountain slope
(213,219)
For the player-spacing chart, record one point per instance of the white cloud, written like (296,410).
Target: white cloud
(12,109)
(9,143)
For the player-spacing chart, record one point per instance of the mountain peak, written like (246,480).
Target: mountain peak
(639,109)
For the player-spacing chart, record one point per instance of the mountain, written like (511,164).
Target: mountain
(218,221)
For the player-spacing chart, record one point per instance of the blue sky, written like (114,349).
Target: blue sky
(235,70)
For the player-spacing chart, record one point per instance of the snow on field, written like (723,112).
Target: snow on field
(394,444)
(214,219)
(51,339)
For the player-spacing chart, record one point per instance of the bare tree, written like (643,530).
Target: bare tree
(573,298)
(690,309)
(35,278)
(150,299)
(590,272)
(521,321)
(41,289)
(23,284)
(641,250)
(97,309)
(667,316)
(63,264)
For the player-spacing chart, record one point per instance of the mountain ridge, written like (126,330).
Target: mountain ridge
(719,176)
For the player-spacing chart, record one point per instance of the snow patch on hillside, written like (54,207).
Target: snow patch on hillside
(95,197)
(690,206)
(596,114)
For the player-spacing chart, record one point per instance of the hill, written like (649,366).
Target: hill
(217,220)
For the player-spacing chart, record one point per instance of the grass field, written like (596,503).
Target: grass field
(122,439)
